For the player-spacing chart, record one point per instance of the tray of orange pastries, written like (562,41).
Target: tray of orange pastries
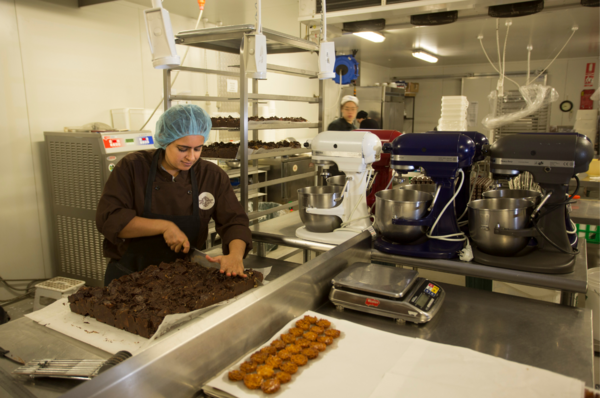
(282,359)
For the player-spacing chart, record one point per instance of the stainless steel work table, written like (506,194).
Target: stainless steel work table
(531,332)
(586,211)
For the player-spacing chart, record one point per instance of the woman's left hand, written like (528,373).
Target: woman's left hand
(231,265)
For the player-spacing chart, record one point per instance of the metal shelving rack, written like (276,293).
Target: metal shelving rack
(230,39)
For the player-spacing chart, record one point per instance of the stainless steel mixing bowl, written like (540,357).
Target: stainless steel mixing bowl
(337,180)
(533,196)
(401,203)
(321,198)
(487,214)
(421,187)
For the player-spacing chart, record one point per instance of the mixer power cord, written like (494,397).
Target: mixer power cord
(457,237)
(550,210)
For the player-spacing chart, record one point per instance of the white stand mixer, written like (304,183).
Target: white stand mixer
(353,152)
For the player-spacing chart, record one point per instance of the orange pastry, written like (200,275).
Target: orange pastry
(310,353)
(274,361)
(312,336)
(310,319)
(317,329)
(271,386)
(318,346)
(269,350)
(289,367)
(288,338)
(296,332)
(302,342)
(236,375)
(294,349)
(324,323)
(304,325)
(284,355)
(278,344)
(265,371)
(299,359)
(325,339)
(259,357)
(333,333)
(248,367)
(253,381)
(283,377)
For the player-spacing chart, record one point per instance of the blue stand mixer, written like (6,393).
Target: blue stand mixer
(441,155)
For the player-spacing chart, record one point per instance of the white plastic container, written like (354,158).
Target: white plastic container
(455,100)
(137,117)
(120,118)
(592,299)
(454,114)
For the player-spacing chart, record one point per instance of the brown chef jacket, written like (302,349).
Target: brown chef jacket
(123,199)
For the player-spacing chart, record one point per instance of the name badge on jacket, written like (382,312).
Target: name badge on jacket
(206,201)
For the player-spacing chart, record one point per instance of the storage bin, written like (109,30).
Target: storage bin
(588,232)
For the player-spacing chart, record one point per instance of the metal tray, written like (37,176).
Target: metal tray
(377,279)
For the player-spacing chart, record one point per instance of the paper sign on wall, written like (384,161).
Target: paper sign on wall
(472,113)
(232,86)
(590,71)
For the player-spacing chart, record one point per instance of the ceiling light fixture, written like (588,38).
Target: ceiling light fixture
(372,36)
(424,56)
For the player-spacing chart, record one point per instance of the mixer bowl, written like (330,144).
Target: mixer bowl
(487,214)
(337,180)
(321,198)
(401,203)
(533,196)
(421,187)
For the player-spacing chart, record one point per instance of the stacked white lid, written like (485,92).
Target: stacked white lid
(454,113)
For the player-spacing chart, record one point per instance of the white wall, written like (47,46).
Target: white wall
(565,75)
(371,74)
(60,66)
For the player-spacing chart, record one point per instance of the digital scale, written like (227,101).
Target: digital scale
(387,291)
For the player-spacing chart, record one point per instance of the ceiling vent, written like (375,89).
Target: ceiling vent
(516,9)
(590,3)
(438,18)
(372,25)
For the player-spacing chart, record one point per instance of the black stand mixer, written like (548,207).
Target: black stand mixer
(553,159)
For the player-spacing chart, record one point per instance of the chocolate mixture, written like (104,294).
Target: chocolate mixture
(235,122)
(229,150)
(139,302)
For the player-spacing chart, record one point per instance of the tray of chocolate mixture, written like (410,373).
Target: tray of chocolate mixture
(134,310)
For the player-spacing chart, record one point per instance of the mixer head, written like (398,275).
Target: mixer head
(352,151)
(552,158)
(439,154)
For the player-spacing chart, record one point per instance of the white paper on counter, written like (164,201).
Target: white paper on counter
(58,316)
(352,366)
(449,371)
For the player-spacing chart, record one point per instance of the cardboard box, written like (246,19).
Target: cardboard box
(411,89)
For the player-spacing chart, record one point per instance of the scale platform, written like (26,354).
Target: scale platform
(387,291)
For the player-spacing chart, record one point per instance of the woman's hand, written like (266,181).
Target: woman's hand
(232,264)
(176,239)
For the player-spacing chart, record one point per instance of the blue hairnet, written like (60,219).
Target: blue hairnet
(180,121)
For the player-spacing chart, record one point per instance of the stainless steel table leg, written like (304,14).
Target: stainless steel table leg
(262,252)
(568,298)
(306,255)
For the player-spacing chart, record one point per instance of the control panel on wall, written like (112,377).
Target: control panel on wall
(127,142)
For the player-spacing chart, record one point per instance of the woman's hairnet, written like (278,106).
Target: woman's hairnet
(181,121)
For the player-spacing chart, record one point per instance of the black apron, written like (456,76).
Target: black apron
(150,250)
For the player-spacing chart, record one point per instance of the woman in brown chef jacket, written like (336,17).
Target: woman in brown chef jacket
(157,204)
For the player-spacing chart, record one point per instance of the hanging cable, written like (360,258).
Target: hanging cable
(480,38)
(456,237)
(529,48)
(574,29)
(508,23)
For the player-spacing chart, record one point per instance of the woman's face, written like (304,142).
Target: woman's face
(349,111)
(181,154)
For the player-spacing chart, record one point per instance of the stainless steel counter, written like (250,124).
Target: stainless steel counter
(29,340)
(573,282)
(531,332)
(282,230)
(586,211)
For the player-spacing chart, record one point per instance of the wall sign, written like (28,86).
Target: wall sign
(590,71)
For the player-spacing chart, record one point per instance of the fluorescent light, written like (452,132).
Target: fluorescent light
(424,56)
(372,36)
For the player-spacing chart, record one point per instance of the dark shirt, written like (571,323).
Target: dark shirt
(123,199)
(369,124)
(340,125)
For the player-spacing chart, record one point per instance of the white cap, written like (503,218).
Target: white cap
(349,98)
